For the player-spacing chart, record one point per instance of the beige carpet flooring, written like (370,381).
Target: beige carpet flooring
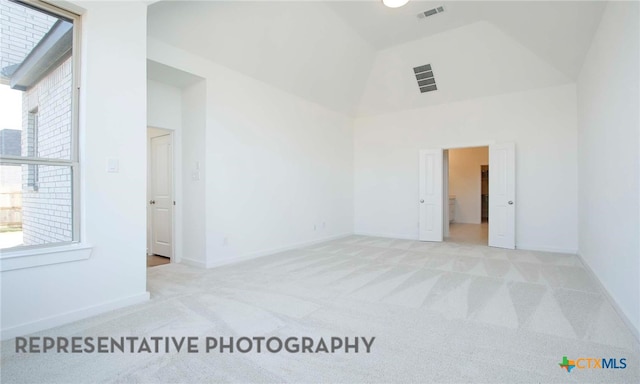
(441,313)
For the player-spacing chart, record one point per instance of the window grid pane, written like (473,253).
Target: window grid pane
(38,154)
(31,218)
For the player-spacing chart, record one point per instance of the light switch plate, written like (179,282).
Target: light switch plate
(113,166)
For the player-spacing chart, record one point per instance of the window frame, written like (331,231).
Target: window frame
(32,134)
(74,161)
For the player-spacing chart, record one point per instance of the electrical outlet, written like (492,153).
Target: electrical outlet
(315,227)
(225,241)
(324,225)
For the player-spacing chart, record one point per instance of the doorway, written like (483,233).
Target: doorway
(467,199)
(160,197)
(484,193)
(434,195)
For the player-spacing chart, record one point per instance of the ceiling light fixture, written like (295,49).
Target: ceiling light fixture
(394,3)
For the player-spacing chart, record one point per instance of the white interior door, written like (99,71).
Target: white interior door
(431,200)
(161,196)
(502,193)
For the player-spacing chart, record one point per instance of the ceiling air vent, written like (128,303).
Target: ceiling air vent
(425,79)
(431,12)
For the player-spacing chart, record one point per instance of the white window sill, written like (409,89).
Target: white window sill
(37,257)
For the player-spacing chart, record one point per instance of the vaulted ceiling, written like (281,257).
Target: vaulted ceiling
(356,57)
(301,47)
(559,32)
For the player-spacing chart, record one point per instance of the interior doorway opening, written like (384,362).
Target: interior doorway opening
(160,197)
(467,195)
(484,193)
(433,211)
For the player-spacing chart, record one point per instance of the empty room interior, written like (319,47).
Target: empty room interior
(382,191)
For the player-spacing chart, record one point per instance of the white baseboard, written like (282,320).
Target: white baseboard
(69,317)
(632,327)
(525,247)
(193,263)
(387,235)
(528,247)
(255,255)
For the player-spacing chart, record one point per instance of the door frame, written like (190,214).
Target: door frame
(176,176)
(445,151)
(446,148)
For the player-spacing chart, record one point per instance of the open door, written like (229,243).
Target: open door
(431,200)
(502,193)
(161,196)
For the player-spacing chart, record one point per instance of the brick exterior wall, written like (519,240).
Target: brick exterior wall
(21,28)
(47,190)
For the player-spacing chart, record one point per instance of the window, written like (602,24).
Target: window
(38,125)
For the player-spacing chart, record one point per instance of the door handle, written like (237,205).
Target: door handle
(510,202)
(422,200)
(152,202)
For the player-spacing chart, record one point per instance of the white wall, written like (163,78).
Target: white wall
(608,126)
(465,182)
(112,125)
(194,169)
(542,123)
(164,105)
(273,165)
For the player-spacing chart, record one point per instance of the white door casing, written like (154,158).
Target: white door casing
(161,195)
(431,199)
(445,193)
(502,193)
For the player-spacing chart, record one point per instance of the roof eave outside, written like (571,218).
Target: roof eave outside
(54,48)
